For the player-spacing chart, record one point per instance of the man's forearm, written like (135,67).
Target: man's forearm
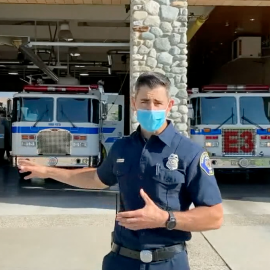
(82,178)
(199,219)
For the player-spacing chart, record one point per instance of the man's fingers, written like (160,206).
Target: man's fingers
(25,162)
(29,176)
(129,214)
(127,220)
(25,169)
(133,227)
(145,197)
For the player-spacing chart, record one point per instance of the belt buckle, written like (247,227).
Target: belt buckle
(146,256)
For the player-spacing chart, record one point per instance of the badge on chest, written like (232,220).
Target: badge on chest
(172,163)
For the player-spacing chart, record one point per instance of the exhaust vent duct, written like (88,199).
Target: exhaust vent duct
(37,61)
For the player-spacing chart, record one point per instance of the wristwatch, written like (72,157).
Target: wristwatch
(171,222)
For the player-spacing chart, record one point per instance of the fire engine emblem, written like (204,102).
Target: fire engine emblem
(52,161)
(205,164)
(172,163)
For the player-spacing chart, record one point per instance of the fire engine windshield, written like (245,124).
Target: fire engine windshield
(77,110)
(255,109)
(31,109)
(214,110)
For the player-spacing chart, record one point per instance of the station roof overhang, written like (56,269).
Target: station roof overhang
(126,2)
(245,3)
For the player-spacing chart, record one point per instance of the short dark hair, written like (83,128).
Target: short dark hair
(152,80)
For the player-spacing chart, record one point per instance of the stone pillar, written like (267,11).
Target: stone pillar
(159,43)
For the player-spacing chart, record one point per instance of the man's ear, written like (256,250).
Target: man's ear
(170,105)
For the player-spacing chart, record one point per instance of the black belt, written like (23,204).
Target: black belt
(148,256)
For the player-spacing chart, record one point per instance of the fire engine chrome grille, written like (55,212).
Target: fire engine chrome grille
(54,142)
(238,142)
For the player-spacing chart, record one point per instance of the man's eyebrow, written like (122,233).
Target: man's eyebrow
(147,99)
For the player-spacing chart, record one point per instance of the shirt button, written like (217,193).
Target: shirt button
(140,176)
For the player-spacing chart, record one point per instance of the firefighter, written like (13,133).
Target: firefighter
(160,174)
(7,140)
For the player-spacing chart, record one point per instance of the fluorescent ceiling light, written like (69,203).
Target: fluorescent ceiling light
(65,33)
(75,54)
(13,73)
(74,51)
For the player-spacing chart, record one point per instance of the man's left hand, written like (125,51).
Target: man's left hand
(149,217)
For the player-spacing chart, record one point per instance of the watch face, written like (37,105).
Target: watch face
(171,224)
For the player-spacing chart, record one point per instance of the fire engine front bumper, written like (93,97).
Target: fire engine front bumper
(64,162)
(240,162)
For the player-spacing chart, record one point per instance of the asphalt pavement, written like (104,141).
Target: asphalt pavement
(57,227)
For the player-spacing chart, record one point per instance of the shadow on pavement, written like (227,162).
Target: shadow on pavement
(55,194)
(51,194)
(253,187)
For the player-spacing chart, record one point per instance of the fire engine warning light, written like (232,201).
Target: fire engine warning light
(59,88)
(236,88)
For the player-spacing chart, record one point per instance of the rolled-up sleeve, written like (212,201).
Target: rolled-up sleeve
(105,170)
(201,182)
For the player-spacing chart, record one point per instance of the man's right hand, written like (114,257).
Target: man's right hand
(82,178)
(37,171)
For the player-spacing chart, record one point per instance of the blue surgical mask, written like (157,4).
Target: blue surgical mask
(151,120)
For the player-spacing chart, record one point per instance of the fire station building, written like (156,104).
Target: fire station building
(192,42)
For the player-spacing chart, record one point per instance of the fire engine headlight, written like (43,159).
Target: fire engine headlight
(30,144)
(211,144)
(265,144)
(79,144)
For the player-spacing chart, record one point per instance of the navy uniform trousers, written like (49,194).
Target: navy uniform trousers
(113,261)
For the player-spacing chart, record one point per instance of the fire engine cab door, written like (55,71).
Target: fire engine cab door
(113,126)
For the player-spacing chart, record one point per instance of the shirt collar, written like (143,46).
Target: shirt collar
(166,136)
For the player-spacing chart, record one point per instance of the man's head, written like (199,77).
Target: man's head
(152,100)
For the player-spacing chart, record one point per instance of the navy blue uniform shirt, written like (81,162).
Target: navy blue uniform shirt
(135,163)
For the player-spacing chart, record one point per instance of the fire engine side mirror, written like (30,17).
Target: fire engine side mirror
(190,111)
(104,110)
(9,107)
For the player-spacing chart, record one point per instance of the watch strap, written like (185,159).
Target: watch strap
(170,219)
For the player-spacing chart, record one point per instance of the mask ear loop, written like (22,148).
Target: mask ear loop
(167,109)
(135,111)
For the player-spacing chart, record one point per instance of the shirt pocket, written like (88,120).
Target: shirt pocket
(168,184)
(170,179)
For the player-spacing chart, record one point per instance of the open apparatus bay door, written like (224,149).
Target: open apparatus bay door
(233,124)
(63,126)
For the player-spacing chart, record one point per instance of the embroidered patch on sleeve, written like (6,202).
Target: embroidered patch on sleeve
(205,164)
